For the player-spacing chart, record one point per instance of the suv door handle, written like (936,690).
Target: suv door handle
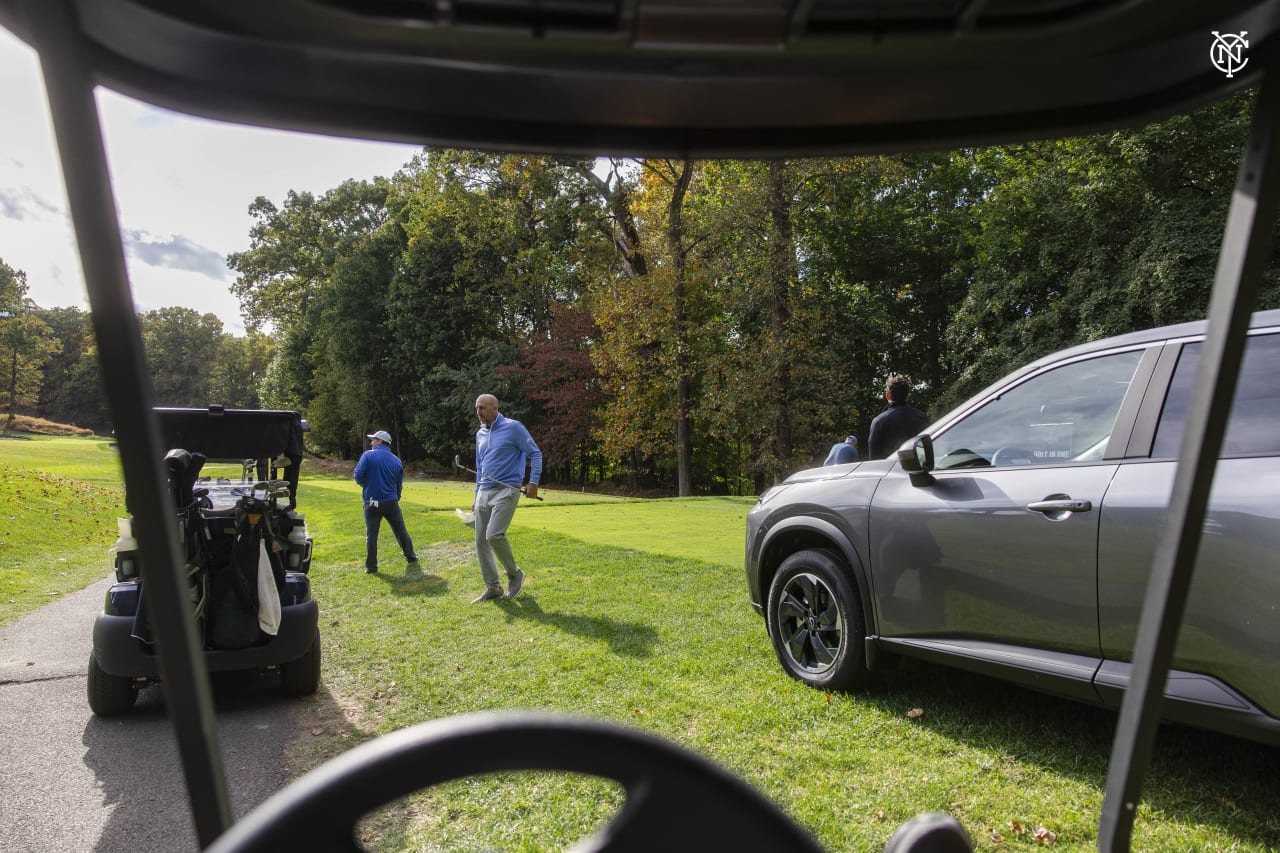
(1066,505)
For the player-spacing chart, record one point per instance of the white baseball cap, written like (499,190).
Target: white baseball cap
(382,435)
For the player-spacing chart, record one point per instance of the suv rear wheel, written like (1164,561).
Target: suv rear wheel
(815,621)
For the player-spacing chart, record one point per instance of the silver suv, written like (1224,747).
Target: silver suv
(1015,537)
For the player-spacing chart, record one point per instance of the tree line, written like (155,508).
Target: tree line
(50,359)
(698,326)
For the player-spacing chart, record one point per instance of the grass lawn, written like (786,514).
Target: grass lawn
(59,500)
(635,612)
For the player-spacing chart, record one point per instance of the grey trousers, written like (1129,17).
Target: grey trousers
(494,509)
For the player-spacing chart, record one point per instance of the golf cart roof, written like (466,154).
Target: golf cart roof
(767,78)
(234,434)
(664,77)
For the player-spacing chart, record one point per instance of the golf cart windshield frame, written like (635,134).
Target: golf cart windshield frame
(1106,48)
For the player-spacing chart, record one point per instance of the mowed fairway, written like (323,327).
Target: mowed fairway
(636,612)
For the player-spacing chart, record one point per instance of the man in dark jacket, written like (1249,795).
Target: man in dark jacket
(381,477)
(898,423)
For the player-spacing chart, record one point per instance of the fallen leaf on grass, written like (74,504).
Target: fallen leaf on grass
(1045,836)
(317,732)
(880,815)
(915,713)
(1018,826)
(1222,801)
(996,838)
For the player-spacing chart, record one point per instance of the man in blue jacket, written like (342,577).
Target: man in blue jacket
(502,446)
(381,477)
(844,452)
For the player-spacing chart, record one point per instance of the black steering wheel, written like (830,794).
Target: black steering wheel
(1011,455)
(675,800)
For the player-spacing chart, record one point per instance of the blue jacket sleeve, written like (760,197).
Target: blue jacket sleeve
(535,457)
(362,469)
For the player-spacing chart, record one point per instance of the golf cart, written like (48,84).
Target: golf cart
(706,78)
(245,550)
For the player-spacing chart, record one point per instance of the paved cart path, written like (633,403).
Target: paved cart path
(72,782)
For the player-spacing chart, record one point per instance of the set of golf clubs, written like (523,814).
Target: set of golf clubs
(457,462)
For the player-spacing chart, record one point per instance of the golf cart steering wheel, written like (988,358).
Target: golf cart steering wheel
(675,800)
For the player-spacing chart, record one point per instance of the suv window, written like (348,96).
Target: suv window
(1061,415)
(1255,411)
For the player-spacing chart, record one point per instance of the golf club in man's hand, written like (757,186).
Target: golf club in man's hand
(457,461)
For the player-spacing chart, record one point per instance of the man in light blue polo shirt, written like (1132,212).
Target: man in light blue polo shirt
(502,447)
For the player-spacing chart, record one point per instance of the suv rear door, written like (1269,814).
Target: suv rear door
(1231,629)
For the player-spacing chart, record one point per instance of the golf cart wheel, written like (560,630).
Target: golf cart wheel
(815,621)
(109,695)
(301,677)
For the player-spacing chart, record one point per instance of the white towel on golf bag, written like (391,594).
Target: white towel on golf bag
(268,595)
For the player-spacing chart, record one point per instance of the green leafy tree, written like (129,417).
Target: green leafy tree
(492,244)
(83,401)
(182,348)
(1088,237)
(73,330)
(293,248)
(239,370)
(26,342)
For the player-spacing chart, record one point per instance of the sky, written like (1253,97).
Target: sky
(183,188)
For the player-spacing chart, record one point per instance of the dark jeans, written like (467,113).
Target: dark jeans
(373,515)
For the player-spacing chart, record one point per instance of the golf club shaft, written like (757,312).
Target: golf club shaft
(458,462)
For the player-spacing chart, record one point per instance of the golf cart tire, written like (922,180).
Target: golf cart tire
(301,677)
(109,695)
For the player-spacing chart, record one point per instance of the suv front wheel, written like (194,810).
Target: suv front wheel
(815,621)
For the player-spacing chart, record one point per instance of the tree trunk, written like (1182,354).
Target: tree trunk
(782,271)
(680,327)
(13,390)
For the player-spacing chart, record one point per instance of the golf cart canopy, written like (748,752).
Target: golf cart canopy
(660,77)
(761,78)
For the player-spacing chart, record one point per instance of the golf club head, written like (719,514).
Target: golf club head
(457,460)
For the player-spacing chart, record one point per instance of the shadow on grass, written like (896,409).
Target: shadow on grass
(427,576)
(415,581)
(1206,777)
(633,639)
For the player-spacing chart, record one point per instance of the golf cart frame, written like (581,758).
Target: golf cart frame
(643,77)
(245,551)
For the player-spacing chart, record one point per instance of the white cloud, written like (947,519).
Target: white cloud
(183,187)
(176,252)
(23,203)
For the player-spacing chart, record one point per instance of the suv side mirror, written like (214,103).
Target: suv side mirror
(917,461)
